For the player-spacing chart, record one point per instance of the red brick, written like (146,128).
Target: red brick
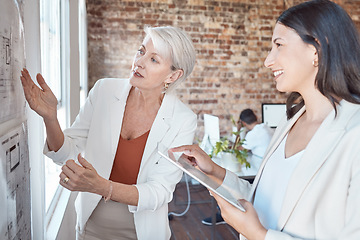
(232,39)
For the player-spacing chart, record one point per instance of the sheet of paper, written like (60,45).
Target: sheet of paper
(12,60)
(15,218)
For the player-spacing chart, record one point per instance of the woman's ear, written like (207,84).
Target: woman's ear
(175,75)
(316,54)
(315,62)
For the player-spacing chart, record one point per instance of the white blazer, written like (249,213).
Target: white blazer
(95,133)
(322,200)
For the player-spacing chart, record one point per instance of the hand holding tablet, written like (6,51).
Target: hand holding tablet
(184,163)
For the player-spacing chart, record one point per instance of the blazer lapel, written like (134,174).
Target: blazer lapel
(279,134)
(315,155)
(117,108)
(313,158)
(159,128)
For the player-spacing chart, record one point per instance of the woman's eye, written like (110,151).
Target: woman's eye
(141,51)
(278,44)
(154,60)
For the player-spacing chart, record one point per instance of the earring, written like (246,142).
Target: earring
(315,63)
(166,86)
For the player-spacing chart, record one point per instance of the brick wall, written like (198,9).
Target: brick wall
(232,38)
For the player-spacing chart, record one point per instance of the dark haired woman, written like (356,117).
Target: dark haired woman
(308,186)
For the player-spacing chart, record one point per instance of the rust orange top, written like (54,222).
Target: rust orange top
(127,159)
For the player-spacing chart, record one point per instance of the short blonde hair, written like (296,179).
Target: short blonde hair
(174,43)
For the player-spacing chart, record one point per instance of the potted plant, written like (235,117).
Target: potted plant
(233,157)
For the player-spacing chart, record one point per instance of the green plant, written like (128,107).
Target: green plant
(224,146)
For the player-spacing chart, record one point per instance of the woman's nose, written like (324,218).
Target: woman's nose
(138,62)
(269,61)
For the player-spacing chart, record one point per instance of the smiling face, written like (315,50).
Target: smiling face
(150,69)
(291,61)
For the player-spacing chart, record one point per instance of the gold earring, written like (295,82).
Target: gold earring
(315,63)
(166,86)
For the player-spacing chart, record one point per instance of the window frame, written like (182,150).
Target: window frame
(73,65)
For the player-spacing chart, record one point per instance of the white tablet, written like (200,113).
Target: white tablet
(184,164)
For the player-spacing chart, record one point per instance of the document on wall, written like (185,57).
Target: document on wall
(12,60)
(15,218)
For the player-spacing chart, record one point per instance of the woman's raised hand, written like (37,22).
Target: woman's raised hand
(41,100)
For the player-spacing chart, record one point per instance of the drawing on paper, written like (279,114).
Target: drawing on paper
(15,184)
(12,60)
(15,212)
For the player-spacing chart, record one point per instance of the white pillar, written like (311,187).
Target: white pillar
(35,124)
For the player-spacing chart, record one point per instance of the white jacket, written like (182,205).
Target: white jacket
(95,133)
(322,200)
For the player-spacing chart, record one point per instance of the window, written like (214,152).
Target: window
(51,64)
(55,64)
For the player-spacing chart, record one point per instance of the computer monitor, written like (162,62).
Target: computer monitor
(211,132)
(272,113)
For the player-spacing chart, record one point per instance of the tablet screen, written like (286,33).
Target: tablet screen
(184,164)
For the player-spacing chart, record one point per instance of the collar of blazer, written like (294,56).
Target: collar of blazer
(158,130)
(315,155)
(161,126)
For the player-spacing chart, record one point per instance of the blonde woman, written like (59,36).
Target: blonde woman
(124,186)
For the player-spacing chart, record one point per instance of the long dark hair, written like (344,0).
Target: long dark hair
(327,27)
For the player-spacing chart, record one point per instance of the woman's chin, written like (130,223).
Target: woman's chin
(280,88)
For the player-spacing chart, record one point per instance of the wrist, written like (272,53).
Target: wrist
(102,187)
(261,234)
(218,172)
(107,197)
(50,119)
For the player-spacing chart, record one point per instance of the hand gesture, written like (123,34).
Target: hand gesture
(41,100)
(83,178)
(247,223)
(200,159)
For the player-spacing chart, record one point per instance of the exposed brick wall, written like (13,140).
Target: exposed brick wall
(232,38)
